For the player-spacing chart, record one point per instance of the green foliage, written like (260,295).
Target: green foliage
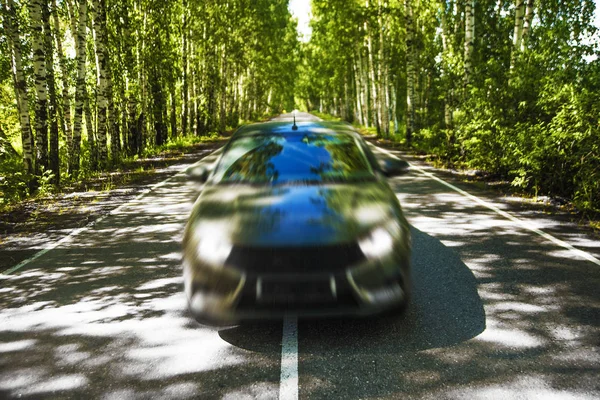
(530,115)
(183,71)
(13,181)
(181,143)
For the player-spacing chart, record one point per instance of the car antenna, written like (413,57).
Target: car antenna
(294,127)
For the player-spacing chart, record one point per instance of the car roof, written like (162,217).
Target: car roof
(304,127)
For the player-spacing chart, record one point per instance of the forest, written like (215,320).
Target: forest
(507,87)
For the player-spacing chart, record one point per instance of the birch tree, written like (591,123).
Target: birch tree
(11,27)
(54,163)
(80,92)
(410,70)
(517,31)
(528,19)
(469,39)
(39,68)
(103,93)
(65,98)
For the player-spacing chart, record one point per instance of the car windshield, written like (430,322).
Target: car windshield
(301,158)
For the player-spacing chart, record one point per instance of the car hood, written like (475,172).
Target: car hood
(292,215)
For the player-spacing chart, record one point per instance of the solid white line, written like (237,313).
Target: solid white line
(76,231)
(288,387)
(583,254)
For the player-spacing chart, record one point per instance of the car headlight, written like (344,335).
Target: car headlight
(213,250)
(380,242)
(208,285)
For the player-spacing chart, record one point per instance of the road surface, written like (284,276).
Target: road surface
(499,311)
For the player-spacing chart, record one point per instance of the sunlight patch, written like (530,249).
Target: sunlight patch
(565,333)
(20,378)
(261,391)
(158,283)
(65,382)
(533,388)
(16,346)
(514,338)
(516,306)
(176,256)
(67,269)
(194,351)
(452,243)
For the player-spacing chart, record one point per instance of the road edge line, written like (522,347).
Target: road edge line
(583,254)
(76,231)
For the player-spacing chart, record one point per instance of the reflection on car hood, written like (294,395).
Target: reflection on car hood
(292,215)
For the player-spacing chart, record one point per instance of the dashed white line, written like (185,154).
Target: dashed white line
(585,255)
(288,386)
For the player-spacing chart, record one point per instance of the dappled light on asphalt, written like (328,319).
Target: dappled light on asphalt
(104,315)
(541,302)
(497,312)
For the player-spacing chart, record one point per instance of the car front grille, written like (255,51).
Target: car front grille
(297,295)
(295,260)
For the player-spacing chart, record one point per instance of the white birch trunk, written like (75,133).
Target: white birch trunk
(102,79)
(358,91)
(12,32)
(469,38)
(384,118)
(65,100)
(527,24)
(39,68)
(518,31)
(374,99)
(410,72)
(80,91)
(184,87)
(54,159)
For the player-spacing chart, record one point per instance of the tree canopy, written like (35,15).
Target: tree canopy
(511,87)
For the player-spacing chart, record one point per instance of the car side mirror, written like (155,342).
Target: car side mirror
(393,167)
(198,173)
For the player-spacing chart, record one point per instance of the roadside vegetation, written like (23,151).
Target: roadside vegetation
(509,88)
(89,86)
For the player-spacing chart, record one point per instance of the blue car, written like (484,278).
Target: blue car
(295,218)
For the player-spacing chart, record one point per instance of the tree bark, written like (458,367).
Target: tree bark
(64,105)
(382,74)
(357,92)
(41,105)
(374,99)
(20,84)
(103,79)
(518,31)
(80,91)
(410,72)
(529,10)
(91,134)
(469,39)
(53,103)
(184,86)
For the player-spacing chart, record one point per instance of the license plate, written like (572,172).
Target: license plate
(294,291)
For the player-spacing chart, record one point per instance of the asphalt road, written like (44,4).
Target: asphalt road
(498,311)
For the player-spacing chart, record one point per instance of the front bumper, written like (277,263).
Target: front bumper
(231,296)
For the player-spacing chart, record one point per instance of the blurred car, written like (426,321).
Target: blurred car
(295,218)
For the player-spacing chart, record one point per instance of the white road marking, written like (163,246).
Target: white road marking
(583,254)
(77,231)
(288,386)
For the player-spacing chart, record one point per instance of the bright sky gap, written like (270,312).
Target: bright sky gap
(301,9)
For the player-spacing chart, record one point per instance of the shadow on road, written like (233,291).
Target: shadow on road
(103,315)
(445,310)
